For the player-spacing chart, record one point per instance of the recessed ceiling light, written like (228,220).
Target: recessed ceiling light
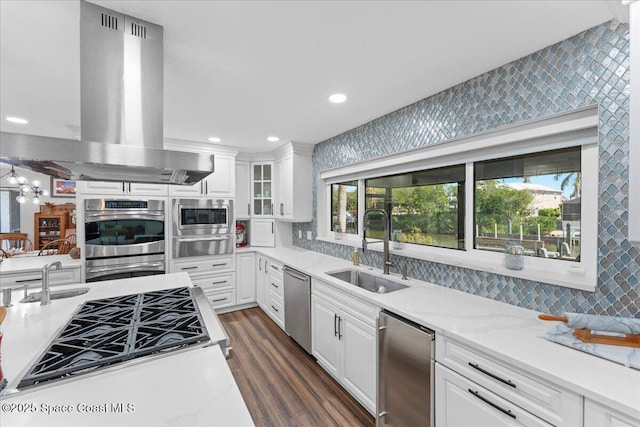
(338,98)
(17,120)
(273,139)
(214,139)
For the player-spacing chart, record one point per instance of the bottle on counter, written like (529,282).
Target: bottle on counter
(356,256)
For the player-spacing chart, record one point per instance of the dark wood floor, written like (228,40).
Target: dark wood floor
(281,384)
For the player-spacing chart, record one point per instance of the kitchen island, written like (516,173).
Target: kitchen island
(193,386)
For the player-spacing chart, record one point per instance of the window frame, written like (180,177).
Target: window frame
(576,128)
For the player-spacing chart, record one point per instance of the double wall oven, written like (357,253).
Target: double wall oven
(202,227)
(124,238)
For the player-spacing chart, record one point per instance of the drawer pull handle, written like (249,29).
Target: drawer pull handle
(39,279)
(274,267)
(492,375)
(219,265)
(219,300)
(275,309)
(189,268)
(217,283)
(274,285)
(335,325)
(490,403)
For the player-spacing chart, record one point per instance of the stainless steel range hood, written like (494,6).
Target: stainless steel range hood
(121,72)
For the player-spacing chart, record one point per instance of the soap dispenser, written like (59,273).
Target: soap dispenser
(356,256)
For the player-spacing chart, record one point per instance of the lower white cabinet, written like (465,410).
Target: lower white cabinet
(462,403)
(215,275)
(245,278)
(344,341)
(64,276)
(274,292)
(596,415)
(262,233)
(262,278)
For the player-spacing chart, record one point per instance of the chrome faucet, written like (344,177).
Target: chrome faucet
(45,294)
(387,226)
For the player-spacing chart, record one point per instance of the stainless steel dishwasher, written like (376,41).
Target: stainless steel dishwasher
(406,353)
(297,303)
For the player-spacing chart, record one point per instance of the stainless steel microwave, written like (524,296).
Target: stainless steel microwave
(202,227)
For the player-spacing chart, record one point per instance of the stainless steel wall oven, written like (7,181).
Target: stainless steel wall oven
(202,227)
(124,238)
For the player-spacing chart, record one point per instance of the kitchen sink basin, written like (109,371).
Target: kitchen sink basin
(370,282)
(66,293)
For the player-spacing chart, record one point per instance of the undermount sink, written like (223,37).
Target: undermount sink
(66,293)
(369,282)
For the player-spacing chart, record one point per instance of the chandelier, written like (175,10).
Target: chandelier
(32,190)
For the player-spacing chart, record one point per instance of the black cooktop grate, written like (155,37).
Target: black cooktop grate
(112,330)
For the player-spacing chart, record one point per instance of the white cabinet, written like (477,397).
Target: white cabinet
(462,403)
(262,278)
(101,188)
(215,275)
(65,276)
(262,233)
(262,189)
(597,415)
(526,392)
(293,178)
(245,278)
(243,190)
(220,184)
(344,341)
(274,292)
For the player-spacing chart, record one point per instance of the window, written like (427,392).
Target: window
(344,207)
(534,199)
(461,202)
(426,207)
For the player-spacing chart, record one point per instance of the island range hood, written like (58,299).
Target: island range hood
(121,76)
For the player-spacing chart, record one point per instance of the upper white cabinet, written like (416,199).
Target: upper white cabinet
(220,184)
(121,188)
(243,191)
(293,178)
(262,189)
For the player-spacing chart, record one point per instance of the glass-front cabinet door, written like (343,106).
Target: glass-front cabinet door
(262,189)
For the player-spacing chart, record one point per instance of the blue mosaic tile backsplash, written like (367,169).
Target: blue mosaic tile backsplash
(591,67)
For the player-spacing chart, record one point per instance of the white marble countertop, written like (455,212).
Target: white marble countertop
(28,264)
(511,333)
(193,387)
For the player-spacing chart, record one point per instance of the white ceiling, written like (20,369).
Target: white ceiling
(245,70)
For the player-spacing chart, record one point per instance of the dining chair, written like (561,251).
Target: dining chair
(15,241)
(3,254)
(72,239)
(56,247)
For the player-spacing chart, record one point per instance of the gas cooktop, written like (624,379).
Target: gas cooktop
(114,330)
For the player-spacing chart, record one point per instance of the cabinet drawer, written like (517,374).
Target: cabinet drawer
(460,402)
(64,276)
(56,277)
(209,281)
(275,269)
(363,311)
(276,309)
(276,285)
(210,264)
(221,298)
(548,401)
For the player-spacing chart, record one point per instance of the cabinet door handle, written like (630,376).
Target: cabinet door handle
(274,285)
(29,280)
(123,188)
(260,264)
(281,209)
(271,228)
(335,325)
(490,403)
(275,309)
(492,375)
(206,187)
(340,328)
(129,187)
(248,208)
(274,267)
